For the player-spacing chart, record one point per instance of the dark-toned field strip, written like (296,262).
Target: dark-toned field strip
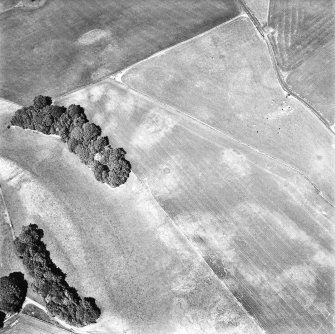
(41,55)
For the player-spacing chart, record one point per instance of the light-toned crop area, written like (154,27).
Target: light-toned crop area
(226,80)
(262,228)
(118,246)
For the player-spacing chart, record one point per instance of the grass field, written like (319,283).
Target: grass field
(117,246)
(226,80)
(259,8)
(300,28)
(66,44)
(314,80)
(261,227)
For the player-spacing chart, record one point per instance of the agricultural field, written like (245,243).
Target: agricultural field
(65,44)
(299,29)
(28,325)
(226,222)
(314,80)
(8,260)
(259,8)
(118,246)
(263,229)
(225,79)
(302,35)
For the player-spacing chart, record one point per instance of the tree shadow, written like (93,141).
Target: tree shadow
(2,319)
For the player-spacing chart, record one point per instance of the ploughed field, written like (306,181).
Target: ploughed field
(225,79)
(66,44)
(300,28)
(118,246)
(315,80)
(299,33)
(264,230)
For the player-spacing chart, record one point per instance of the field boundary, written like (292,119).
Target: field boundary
(117,75)
(113,75)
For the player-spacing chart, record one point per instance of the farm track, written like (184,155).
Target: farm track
(117,77)
(224,134)
(282,82)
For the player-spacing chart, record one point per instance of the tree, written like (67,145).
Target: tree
(13,290)
(119,168)
(61,299)
(55,111)
(82,137)
(75,110)
(91,131)
(100,143)
(41,101)
(98,170)
(72,144)
(31,234)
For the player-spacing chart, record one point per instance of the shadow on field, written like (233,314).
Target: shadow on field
(2,318)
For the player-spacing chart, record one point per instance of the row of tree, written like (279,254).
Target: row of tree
(61,299)
(82,137)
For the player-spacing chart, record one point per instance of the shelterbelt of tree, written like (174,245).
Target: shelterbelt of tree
(82,137)
(61,299)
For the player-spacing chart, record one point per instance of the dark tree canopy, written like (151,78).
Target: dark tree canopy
(41,101)
(13,290)
(82,137)
(50,282)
